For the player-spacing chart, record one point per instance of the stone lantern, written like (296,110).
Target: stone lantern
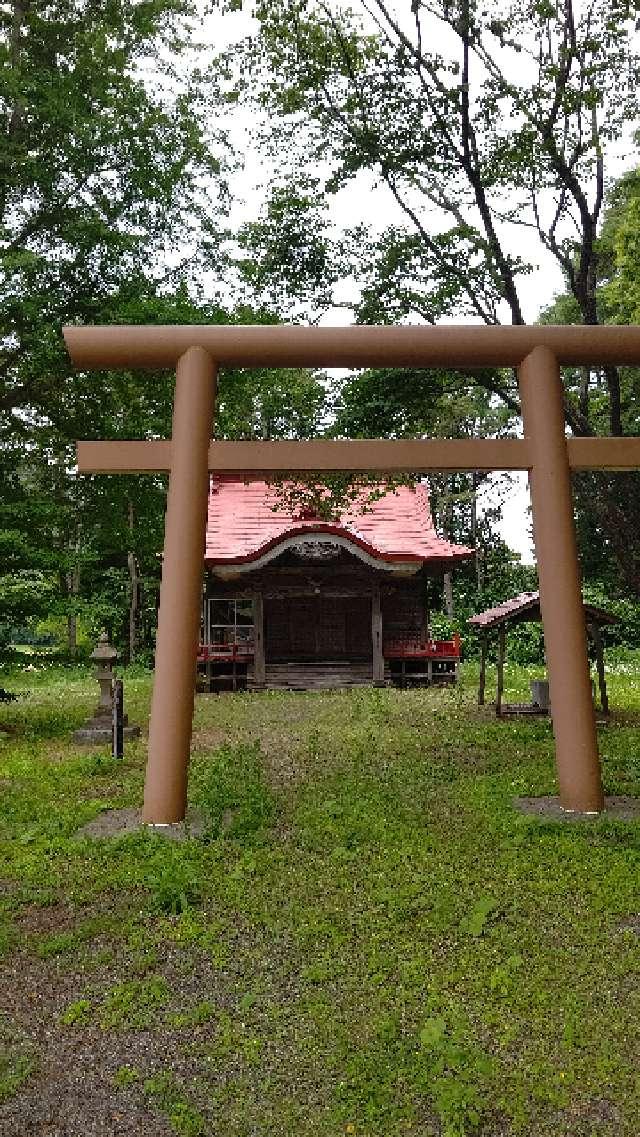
(98,728)
(104,657)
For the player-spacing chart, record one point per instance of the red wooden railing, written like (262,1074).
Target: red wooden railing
(393,649)
(225,653)
(423,649)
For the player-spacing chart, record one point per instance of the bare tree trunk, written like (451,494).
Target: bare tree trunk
(476,481)
(448,578)
(448,594)
(134,592)
(73,588)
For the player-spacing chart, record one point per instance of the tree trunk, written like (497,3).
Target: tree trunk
(448,594)
(73,588)
(134,592)
(448,577)
(476,481)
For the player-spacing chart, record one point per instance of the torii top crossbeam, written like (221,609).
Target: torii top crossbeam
(198,351)
(357,346)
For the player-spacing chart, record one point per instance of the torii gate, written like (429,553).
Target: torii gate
(198,351)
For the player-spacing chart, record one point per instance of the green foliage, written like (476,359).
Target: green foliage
(607,402)
(165,1091)
(24,593)
(405,942)
(443,1068)
(286,255)
(484,909)
(108,159)
(234,792)
(133,1005)
(461,147)
(626,630)
(126,1076)
(77,1013)
(112,158)
(17,1058)
(201,1013)
(175,889)
(56,944)
(15,1068)
(432,114)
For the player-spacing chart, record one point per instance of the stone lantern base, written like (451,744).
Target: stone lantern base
(98,732)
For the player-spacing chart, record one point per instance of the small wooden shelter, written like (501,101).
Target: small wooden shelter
(520,609)
(296,601)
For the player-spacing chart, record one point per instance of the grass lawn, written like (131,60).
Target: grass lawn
(370,940)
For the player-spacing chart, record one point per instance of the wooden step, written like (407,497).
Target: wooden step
(325,676)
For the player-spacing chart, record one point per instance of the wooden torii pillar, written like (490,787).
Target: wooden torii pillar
(197,351)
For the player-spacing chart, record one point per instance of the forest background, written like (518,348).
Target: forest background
(475,140)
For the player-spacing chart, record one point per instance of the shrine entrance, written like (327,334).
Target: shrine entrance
(198,351)
(317,628)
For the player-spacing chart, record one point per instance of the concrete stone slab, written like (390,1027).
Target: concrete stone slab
(120,822)
(616,808)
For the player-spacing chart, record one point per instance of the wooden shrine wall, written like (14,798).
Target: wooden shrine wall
(324,612)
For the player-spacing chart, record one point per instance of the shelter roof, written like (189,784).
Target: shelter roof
(526,606)
(247,519)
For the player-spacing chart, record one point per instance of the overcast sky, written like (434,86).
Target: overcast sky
(356,204)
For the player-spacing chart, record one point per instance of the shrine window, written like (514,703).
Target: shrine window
(228,620)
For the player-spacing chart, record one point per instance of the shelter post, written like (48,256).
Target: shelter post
(500,677)
(483,669)
(596,636)
(165,793)
(572,712)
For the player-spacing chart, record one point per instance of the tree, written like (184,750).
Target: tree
(106,146)
(472,125)
(608,505)
(104,150)
(104,534)
(112,199)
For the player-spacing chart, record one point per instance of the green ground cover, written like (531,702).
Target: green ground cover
(369,941)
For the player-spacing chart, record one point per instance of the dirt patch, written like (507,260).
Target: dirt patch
(41,919)
(74,1088)
(579,1119)
(630,924)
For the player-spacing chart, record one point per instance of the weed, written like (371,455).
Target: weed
(165,1091)
(126,1076)
(56,944)
(175,890)
(234,792)
(404,945)
(133,1005)
(482,911)
(17,1060)
(77,1014)
(195,1016)
(14,1070)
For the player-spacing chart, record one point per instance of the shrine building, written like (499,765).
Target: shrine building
(294,601)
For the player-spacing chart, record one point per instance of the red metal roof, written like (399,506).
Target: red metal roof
(246,519)
(529,602)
